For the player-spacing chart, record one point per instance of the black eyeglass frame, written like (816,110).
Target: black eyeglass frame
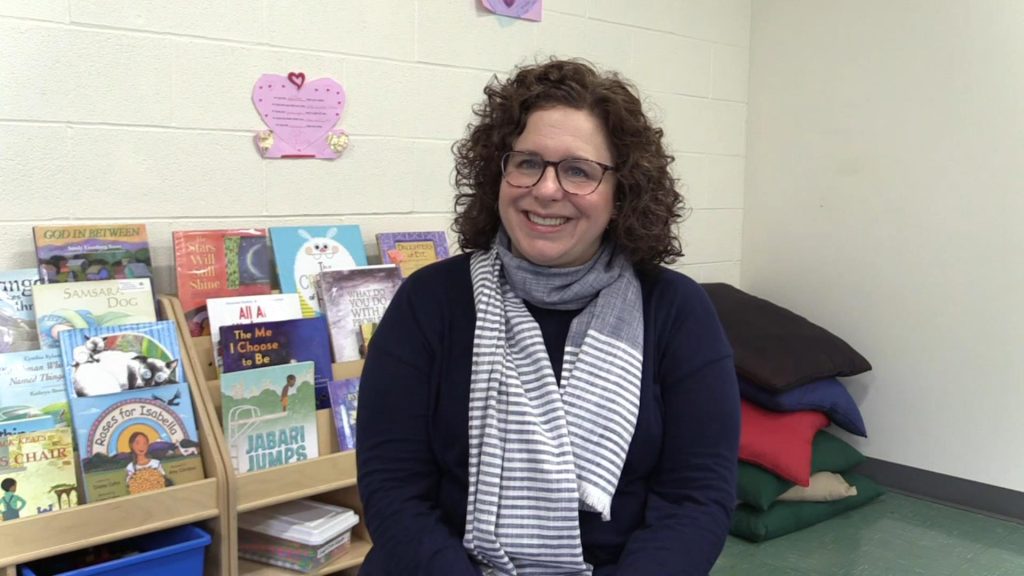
(605,168)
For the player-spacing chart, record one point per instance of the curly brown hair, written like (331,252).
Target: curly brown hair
(647,204)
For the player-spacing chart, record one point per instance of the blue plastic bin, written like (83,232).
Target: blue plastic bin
(175,552)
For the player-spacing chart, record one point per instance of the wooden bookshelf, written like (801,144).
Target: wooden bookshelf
(331,477)
(205,501)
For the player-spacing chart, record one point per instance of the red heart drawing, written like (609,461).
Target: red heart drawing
(509,3)
(298,78)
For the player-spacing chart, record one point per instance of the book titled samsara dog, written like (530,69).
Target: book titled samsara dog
(131,408)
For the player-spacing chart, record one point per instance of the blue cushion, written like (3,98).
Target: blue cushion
(827,395)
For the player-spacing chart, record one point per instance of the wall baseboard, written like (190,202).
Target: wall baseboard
(994,501)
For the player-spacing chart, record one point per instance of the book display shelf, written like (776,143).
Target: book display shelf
(329,478)
(206,502)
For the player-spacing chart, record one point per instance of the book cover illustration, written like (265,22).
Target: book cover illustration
(263,344)
(236,310)
(94,304)
(92,252)
(302,252)
(32,387)
(217,264)
(344,404)
(269,416)
(37,473)
(131,408)
(354,302)
(17,317)
(412,250)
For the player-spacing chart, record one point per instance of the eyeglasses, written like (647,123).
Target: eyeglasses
(576,176)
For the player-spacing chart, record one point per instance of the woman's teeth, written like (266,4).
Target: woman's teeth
(545,221)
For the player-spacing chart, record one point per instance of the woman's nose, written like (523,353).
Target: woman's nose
(548,187)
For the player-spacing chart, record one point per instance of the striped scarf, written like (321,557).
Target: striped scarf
(540,453)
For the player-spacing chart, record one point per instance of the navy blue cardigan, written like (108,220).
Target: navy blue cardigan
(674,502)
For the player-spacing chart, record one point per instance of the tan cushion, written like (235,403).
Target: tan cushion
(825,487)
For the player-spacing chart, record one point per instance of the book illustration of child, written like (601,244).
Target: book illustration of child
(12,503)
(144,474)
(289,384)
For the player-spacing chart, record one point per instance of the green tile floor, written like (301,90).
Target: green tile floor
(892,536)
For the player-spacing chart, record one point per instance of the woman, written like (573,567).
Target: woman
(554,401)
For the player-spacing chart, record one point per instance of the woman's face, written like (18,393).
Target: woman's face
(547,225)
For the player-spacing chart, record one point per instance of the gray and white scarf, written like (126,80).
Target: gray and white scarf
(540,453)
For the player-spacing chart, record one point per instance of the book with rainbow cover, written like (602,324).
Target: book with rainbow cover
(131,407)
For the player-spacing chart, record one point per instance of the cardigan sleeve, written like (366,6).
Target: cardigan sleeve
(398,476)
(693,487)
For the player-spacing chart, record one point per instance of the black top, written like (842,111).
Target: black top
(673,505)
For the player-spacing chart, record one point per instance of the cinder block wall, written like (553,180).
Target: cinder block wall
(140,110)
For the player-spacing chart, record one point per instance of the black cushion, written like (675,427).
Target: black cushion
(776,348)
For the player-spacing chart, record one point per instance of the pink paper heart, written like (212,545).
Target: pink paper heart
(528,9)
(299,117)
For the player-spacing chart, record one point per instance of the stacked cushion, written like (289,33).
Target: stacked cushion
(786,517)
(827,395)
(777,349)
(779,441)
(759,488)
(787,368)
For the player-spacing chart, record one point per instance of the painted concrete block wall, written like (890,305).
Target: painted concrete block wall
(139,110)
(883,202)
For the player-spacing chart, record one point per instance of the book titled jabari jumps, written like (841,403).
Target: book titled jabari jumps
(131,409)
(269,416)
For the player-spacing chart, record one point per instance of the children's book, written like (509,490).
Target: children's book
(131,408)
(218,264)
(236,310)
(344,402)
(412,250)
(17,317)
(37,473)
(90,305)
(354,302)
(269,416)
(263,344)
(32,386)
(11,425)
(92,252)
(302,252)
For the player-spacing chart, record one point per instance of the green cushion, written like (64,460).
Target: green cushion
(785,517)
(759,487)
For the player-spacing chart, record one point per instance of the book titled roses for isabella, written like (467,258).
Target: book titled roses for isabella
(131,408)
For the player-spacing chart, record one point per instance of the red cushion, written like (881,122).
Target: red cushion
(780,442)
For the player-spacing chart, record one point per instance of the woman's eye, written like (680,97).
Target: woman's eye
(529,164)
